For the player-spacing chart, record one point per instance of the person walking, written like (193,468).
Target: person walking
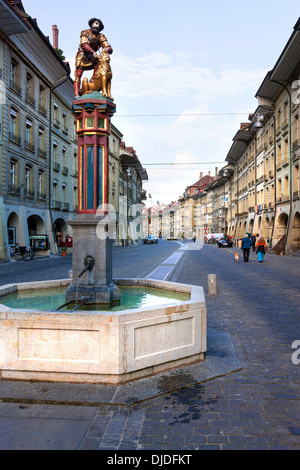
(253,239)
(261,249)
(246,245)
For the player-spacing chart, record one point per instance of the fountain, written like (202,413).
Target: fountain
(89,337)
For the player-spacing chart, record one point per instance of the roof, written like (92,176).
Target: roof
(13,20)
(286,68)
(202,181)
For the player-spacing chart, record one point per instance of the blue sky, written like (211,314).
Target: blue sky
(191,69)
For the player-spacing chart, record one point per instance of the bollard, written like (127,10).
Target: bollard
(212,285)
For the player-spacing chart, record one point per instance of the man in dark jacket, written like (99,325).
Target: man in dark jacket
(253,239)
(246,245)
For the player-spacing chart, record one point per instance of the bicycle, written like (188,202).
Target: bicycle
(22,252)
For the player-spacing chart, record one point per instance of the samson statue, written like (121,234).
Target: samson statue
(91,41)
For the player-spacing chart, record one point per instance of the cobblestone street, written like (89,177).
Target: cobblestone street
(257,407)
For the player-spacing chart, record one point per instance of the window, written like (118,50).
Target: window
(42,142)
(75,196)
(41,185)
(56,121)
(28,190)
(286,187)
(75,164)
(13,71)
(14,127)
(29,81)
(55,152)
(42,100)
(55,193)
(64,192)
(14,77)
(29,135)
(64,152)
(13,171)
(65,122)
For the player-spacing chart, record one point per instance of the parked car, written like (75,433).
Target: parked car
(151,239)
(224,242)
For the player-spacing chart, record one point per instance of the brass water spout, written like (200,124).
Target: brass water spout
(89,263)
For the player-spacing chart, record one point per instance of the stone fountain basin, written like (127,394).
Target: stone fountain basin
(101,346)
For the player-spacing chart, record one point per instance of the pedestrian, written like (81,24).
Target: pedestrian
(246,245)
(253,239)
(261,248)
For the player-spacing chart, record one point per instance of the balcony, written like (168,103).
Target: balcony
(285,125)
(42,153)
(260,179)
(296,194)
(56,123)
(271,205)
(14,189)
(29,146)
(65,171)
(65,206)
(29,193)
(65,130)
(56,204)
(285,162)
(30,100)
(16,139)
(42,110)
(56,166)
(42,196)
(15,87)
(75,174)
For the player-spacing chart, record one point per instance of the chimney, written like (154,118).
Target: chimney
(55,36)
(201,175)
(216,170)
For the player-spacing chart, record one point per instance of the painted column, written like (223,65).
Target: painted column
(93,129)
(92,254)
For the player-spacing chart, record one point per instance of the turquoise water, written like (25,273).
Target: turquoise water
(131,297)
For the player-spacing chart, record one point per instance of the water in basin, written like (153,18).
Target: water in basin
(131,297)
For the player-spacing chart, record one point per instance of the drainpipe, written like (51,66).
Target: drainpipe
(52,88)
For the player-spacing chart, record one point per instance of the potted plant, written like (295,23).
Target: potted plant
(64,250)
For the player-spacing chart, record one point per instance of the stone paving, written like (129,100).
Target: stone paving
(257,407)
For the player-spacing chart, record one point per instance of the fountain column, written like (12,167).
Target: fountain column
(92,253)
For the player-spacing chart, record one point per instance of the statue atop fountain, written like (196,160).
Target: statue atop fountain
(87,58)
(93,108)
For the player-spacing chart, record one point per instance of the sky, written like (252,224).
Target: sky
(185,74)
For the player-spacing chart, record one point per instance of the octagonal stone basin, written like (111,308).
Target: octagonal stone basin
(101,346)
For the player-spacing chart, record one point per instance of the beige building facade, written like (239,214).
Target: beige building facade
(258,190)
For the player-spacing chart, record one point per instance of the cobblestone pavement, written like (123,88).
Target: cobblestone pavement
(257,407)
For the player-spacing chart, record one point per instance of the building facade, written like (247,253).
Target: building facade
(258,190)
(39,147)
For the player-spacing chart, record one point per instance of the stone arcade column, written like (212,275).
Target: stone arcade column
(92,256)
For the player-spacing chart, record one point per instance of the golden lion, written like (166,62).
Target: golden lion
(102,78)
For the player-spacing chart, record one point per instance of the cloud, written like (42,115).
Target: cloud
(173,75)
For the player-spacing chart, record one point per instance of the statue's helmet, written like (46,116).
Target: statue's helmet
(92,20)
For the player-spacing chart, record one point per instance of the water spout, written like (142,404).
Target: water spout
(89,263)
